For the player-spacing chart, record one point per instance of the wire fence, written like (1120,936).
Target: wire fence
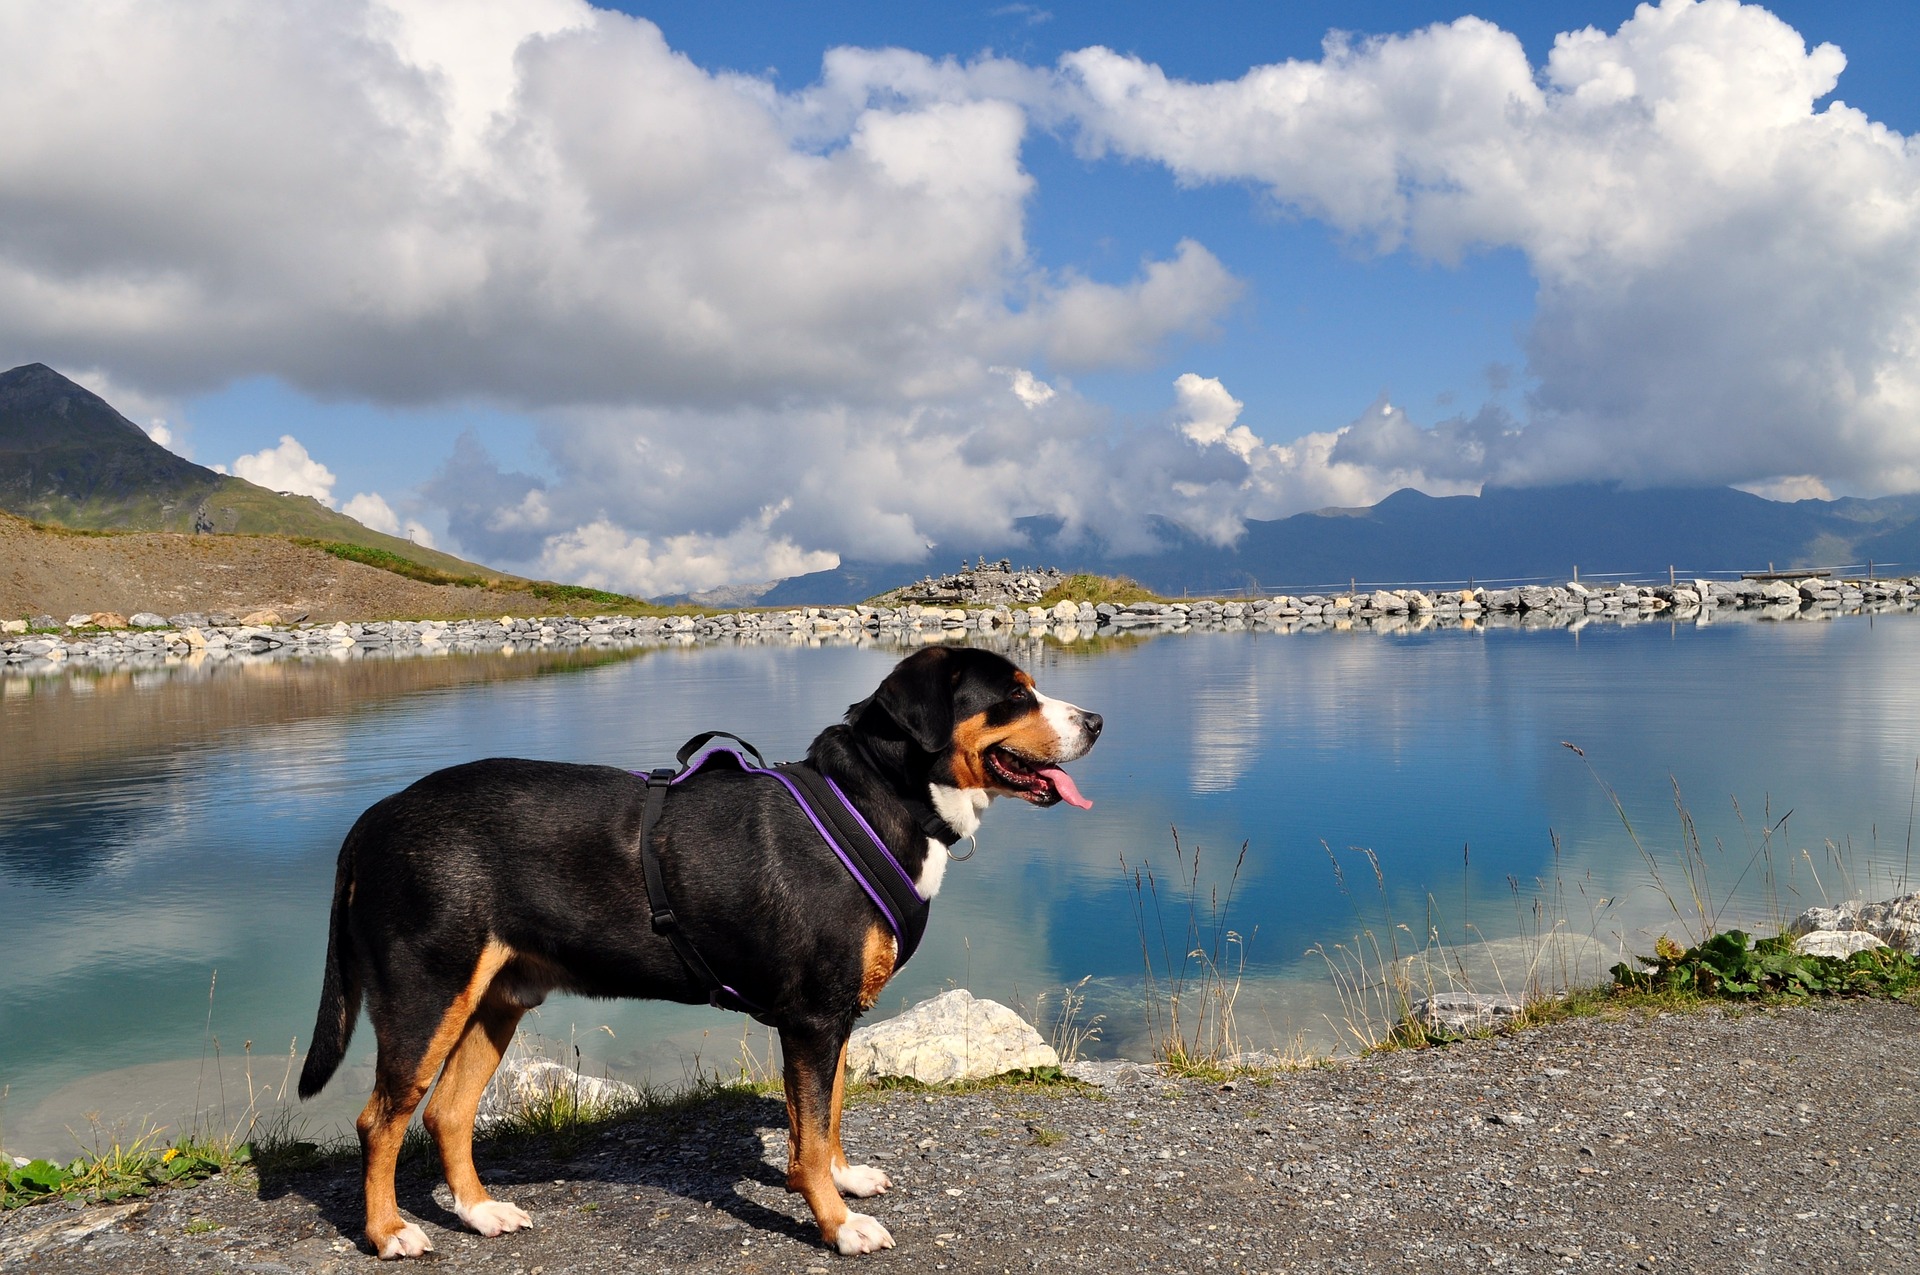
(1675,574)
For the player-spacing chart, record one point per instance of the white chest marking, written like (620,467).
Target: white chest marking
(961,808)
(933,871)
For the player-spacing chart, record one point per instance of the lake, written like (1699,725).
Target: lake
(167,837)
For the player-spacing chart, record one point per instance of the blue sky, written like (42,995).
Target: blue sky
(1315,337)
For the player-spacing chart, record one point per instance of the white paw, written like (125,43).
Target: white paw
(408,1241)
(493,1217)
(861,1181)
(861,1234)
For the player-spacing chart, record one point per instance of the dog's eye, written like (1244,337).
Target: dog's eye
(1020,695)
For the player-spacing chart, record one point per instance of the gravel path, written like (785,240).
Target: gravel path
(1716,1141)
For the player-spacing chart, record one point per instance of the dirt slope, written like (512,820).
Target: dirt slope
(60,573)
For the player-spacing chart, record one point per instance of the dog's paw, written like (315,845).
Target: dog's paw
(408,1241)
(861,1234)
(861,1181)
(493,1217)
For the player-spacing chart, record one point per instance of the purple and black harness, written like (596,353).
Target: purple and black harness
(845,830)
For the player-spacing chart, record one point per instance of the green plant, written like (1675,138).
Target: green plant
(548,591)
(118,1170)
(1731,965)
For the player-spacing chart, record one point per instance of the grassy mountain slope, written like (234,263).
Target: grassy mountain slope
(68,459)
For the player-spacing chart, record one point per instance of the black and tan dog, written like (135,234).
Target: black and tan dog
(464,900)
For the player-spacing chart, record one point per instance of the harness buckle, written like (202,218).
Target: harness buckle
(664,920)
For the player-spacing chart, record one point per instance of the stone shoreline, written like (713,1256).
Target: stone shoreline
(99,640)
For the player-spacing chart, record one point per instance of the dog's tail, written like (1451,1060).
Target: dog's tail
(339,986)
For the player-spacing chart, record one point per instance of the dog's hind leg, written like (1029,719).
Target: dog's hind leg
(814,1089)
(456,1099)
(413,1045)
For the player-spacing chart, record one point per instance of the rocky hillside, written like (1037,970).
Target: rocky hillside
(67,458)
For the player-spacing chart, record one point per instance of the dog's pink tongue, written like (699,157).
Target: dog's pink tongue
(1064,785)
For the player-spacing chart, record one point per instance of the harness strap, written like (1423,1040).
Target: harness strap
(872,864)
(665,923)
(839,823)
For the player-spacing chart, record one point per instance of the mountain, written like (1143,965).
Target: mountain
(69,459)
(1502,534)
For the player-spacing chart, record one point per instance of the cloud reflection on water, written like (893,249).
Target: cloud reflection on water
(156,831)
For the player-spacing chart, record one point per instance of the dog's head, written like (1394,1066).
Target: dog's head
(984,723)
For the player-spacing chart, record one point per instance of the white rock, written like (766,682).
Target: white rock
(525,1082)
(1835,942)
(951,1037)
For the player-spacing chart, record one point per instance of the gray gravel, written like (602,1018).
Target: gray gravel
(1716,1141)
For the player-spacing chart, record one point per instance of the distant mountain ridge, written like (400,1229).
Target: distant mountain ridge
(1501,534)
(67,458)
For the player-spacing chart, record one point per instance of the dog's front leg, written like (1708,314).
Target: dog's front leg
(858,1180)
(815,1058)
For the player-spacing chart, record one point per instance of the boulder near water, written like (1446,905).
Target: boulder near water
(951,1037)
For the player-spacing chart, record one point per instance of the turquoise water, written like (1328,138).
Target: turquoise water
(167,840)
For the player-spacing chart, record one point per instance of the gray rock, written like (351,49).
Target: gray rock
(1896,922)
(1844,917)
(146,620)
(1537,598)
(1462,1013)
(1108,1073)
(951,1037)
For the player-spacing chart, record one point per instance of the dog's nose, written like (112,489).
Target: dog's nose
(1093,723)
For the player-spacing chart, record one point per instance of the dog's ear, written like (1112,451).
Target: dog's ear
(918,696)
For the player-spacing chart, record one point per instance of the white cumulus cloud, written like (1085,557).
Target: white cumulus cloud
(533,199)
(288,468)
(1729,271)
(371,509)
(603,555)
(761,328)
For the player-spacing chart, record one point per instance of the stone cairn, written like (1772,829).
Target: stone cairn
(101,639)
(983,585)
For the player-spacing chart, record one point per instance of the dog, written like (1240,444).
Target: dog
(462,901)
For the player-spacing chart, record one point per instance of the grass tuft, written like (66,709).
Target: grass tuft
(1190,1000)
(386,560)
(1084,586)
